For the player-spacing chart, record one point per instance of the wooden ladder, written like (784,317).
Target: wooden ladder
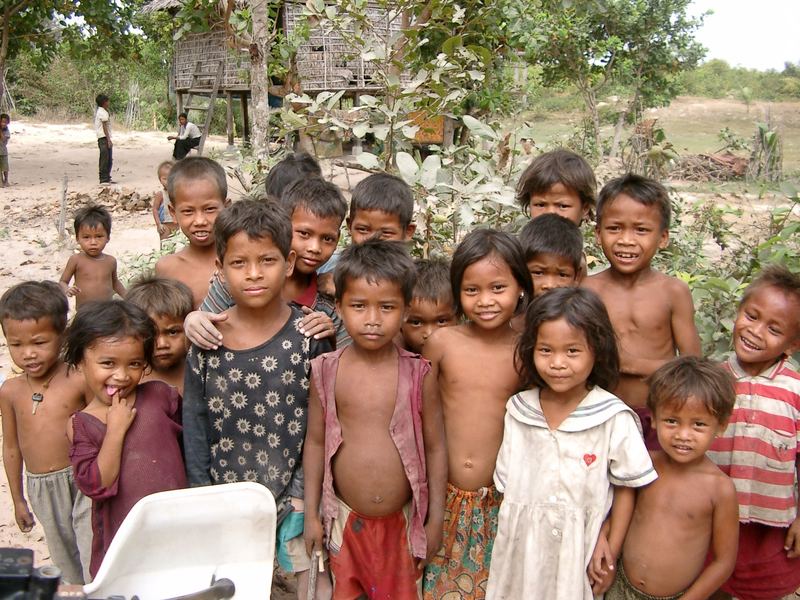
(196,90)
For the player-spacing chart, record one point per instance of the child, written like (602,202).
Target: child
(95,273)
(759,447)
(102,130)
(553,249)
(374,408)
(198,190)
(5,135)
(245,402)
(126,442)
(36,407)
(652,313)
(431,303)
(166,302)
(317,210)
(293,167)
(474,366)
(165,222)
(568,445)
(691,400)
(558,182)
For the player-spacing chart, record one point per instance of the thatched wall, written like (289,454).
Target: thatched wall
(208,49)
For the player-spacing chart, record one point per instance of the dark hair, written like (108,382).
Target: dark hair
(197,167)
(165,163)
(108,319)
(776,276)
(184,115)
(644,190)
(5,116)
(553,234)
(432,280)
(375,260)
(480,244)
(557,166)
(583,310)
(101,99)
(92,216)
(386,193)
(319,197)
(292,168)
(35,300)
(161,296)
(675,382)
(258,220)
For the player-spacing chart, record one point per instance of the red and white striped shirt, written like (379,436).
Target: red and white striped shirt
(759,448)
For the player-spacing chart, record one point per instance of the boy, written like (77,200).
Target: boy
(35,408)
(293,167)
(95,273)
(431,303)
(652,313)
(5,135)
(198,191)
(374,410)
(165,223)
(558,182)
(691,508)
(244,410)
(553,249)
(102,129)
(166,302)
(759,449)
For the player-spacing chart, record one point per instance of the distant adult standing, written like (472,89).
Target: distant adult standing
(188,137)
(102,127)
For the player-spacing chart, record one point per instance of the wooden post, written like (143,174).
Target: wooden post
(62,214)
(357,148)
(180,102)
(229,120)
(245,118)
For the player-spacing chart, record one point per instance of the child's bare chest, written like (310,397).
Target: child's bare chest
(94,271)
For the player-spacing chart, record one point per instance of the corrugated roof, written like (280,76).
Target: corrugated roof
(156,5)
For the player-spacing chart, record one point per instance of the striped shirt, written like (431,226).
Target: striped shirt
(759,447)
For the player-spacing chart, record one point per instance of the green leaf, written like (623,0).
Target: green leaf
(449,45)
(368,160)
(360,129)
(407,166)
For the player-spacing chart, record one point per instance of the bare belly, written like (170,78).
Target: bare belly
(632,389)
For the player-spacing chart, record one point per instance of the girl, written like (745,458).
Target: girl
(165,223)
(125,443)
(567,442)
(474,366)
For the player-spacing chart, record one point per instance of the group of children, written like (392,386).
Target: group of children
(510,460)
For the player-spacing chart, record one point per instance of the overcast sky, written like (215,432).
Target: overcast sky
(757,34)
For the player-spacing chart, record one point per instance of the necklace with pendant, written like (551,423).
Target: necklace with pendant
(38,397)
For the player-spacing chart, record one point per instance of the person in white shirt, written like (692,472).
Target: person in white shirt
(102,127)
(188,137)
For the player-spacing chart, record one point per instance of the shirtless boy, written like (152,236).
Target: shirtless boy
(374,456)
(198,191)
(166,302)
(431,304)
(35,408)
(691,508)
(95,273)
(474,366)
(652,313)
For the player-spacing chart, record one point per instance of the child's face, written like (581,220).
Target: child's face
(423,318)
(489,292)
(630,234)
(163,175)
(170,347)
(563,359)
(195,207)
(367,224)
(34,344)
(254,270)
(372,312)
(3,122)
(314,239)
(549,271)
(92,240)
(766,328)
(686,433)
(112,366)
(560,200)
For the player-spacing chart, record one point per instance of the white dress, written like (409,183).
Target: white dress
(558,490)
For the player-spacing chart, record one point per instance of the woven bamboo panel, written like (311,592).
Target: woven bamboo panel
(208,49)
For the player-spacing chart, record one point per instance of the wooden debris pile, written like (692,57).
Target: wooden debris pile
(710,167)
(113,198)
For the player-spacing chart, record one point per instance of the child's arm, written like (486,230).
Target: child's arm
(115,282)
(609,542)
(313,466)
(435,462)
(792,543)
(121,414)
(158,199)
(67,275)
(684,331)
(12,461)
(195,422)
(724,545)
(200,331)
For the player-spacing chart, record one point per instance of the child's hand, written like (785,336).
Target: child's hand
(200,331)
(316,324)
(312,534)
(792,543)
(121,414)
(161,228)
(433,535)
(73,290)
(23,516)
(602,562)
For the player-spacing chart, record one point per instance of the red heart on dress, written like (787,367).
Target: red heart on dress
(589,459)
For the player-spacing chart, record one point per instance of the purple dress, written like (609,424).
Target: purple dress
(151,461)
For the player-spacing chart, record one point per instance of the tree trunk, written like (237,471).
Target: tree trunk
(590,99)
(623,116)
(5,34)
(259,80)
